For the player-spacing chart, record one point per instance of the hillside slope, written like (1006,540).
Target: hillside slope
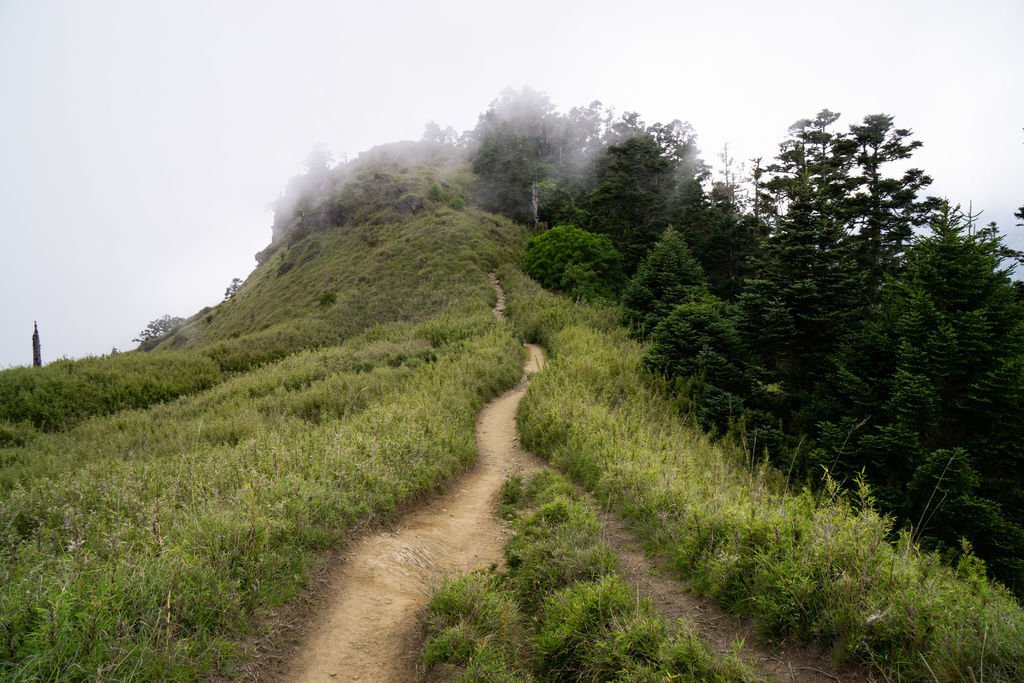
(152,542)
(388,237)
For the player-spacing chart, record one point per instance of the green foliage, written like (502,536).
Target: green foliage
(668,276)
(630,202)
(513,142)
(574,261)
(65,392)
(233,287)
(144,544)
(698,341)
(328,299)
(726,242)
(156,330)
(560,611)
(620,176)
(812,570)
(16,433)
(940,378)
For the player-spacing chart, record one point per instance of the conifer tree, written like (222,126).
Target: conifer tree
(631,199)
(513,143)
(667,276)
(806,294)
(884,210)
(941,391)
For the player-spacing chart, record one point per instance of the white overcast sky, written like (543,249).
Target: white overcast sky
(141,142)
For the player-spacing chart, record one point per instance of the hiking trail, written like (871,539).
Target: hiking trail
(368,627)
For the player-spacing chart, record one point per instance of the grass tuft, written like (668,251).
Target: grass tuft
(560,612)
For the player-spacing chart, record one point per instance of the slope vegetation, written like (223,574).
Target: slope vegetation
(149,543)
(820,569)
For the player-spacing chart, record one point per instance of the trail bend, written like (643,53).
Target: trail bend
(368,627)
(369,630)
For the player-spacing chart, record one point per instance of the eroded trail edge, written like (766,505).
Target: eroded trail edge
(370,628)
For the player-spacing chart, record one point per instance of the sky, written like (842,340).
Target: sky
(141,142)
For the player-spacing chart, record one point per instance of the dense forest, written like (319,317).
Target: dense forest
(821,309)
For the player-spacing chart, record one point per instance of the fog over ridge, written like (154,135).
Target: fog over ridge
(141,144)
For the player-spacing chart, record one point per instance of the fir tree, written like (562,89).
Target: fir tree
(941,390)
(631,199)
(667,276)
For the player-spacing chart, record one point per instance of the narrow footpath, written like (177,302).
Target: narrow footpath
(370,630)
(368,627)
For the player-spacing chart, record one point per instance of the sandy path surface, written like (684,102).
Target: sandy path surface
(370,631)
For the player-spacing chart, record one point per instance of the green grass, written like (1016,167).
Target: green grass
(560,612)
(65,392)
(149,538)
(143,544)
(818,569)
(320,287)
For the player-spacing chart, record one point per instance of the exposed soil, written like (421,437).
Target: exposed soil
(368,628)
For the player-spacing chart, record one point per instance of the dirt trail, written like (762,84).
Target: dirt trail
(370,630)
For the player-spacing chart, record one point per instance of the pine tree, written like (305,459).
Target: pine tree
(885,210)
(631,199)
(698,343)
(942,390)
(806,294)
(667,276)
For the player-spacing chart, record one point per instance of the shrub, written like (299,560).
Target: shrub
(571,260)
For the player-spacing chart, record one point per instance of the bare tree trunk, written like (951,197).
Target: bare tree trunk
(37,349)
(534,203)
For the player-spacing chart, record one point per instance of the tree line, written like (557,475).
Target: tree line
(825,310)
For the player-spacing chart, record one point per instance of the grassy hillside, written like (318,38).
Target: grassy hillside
(65,392)
(148,543)
(404,247)
(822,569)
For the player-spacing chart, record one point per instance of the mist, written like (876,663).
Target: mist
(142,145)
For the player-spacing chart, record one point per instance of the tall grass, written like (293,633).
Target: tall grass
(142,545)
(823,569)
(560,612)
(65,392)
